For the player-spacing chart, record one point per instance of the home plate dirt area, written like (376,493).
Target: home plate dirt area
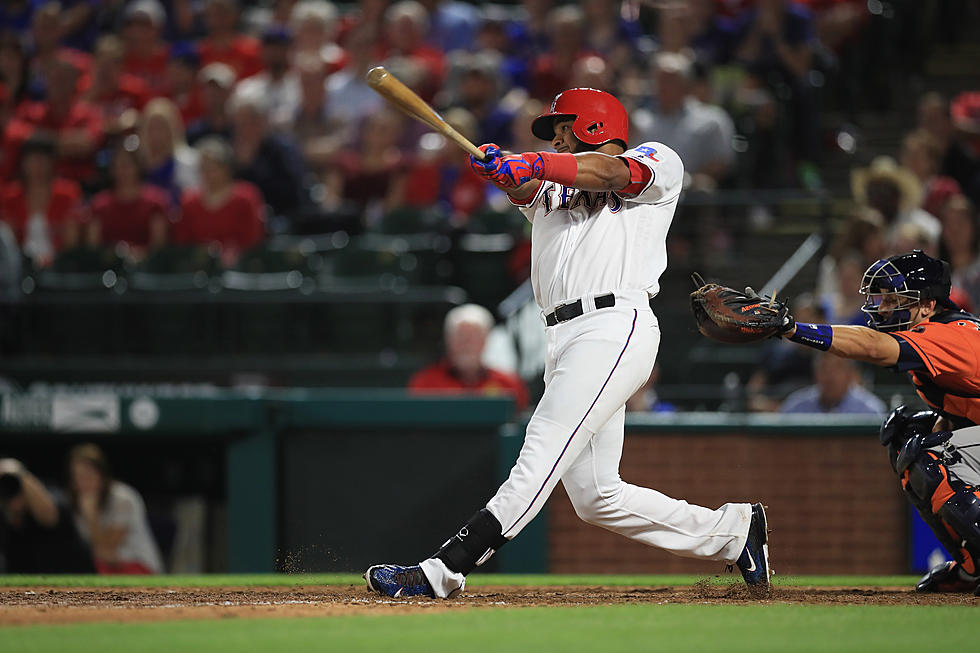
(51,605)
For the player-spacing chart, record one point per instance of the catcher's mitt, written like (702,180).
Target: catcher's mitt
(727,315)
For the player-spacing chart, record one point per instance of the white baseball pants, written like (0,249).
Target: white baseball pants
(595,362)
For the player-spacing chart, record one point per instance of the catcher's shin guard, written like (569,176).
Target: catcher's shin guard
(473,545)
(949,506)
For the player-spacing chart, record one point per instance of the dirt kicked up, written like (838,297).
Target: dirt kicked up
(55,605)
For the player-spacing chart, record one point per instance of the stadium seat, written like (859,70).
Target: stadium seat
(263,268)
(176,268)
(82,269)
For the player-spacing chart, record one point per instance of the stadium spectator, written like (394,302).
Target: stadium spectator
(701,134)
(349,98)
(783,368)
(592,72)
(711,34)
(896,193)
(452,24)
(861,238)
(421,66)
(76,125)
(278,83)
(168,161)
(110,515)
(225,44)
(960,246)
(129,212)
(463,370)
(217,84)
(835,390)
(270,161)
(43,210)
(551,70)
(47,51)
(371,173)
(117,95)
(319,134)
(13,75)
(611,35)
(314,24)
(182,83)
(921,155)
(965,114)
(441,175)
(479,90)
(775,43)
(146,53)
(37,533)
(222,211)
(933,118)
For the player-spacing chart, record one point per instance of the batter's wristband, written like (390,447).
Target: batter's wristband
(559,167)
(818,336)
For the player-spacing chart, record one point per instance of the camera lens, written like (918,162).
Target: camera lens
(9,486)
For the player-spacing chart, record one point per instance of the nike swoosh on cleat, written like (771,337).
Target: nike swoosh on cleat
(398,593)
(751,560)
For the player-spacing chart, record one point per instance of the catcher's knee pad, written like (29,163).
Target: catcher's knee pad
(949,506)
(473,545)
(900,426)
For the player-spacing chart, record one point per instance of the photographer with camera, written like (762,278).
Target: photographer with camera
(37,533)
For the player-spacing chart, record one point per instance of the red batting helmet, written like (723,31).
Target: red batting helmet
(599,117)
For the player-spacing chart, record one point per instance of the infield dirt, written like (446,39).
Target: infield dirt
(52,605)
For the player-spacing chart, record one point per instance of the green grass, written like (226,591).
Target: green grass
(633,628)
(628,628)
(295,580)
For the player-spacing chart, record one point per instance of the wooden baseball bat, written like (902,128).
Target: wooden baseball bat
(390,88)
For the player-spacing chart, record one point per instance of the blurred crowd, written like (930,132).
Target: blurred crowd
(134,125)
(145,122)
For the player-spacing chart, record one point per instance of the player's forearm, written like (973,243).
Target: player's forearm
(39,500)
(600,172)
(854,342)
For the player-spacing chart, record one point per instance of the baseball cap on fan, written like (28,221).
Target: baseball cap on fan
(150,10)
(218,73)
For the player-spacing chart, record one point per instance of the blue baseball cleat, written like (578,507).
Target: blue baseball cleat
(754,561)
(397,581)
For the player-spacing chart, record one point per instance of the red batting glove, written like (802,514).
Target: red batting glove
(489,166)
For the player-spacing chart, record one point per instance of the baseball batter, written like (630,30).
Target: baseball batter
(600,214)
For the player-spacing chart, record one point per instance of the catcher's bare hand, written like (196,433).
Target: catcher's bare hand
(731,316)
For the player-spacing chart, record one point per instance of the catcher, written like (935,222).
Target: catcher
(913,327)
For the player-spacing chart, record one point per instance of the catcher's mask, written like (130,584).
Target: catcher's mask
(894,286)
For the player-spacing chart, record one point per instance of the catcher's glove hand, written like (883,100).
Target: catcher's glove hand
(727,315)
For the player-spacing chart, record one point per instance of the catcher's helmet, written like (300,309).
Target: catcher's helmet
(599,117)
(893,286)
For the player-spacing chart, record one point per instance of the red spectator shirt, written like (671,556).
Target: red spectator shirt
(132,93)
(65,207)
(236,224)
(32,116)
(151,69)
(942,358)
(440,378)
(242,55)
(128,221)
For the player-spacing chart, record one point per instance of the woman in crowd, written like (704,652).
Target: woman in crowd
(223,211)
(129,212)
(111,516)
(169,162)
(43,211)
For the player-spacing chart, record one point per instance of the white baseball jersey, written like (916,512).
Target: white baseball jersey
(589,243)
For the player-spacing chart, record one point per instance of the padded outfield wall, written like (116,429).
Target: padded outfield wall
(307,480)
